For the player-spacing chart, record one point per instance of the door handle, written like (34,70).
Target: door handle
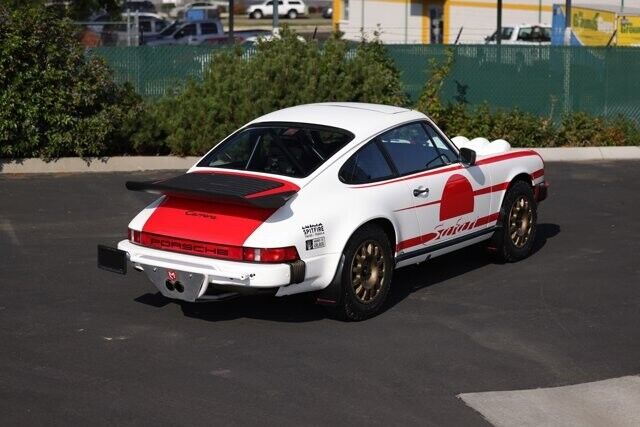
(418,191)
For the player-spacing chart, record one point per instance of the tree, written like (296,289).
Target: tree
(54,101)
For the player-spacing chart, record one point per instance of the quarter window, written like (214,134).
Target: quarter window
(367,165)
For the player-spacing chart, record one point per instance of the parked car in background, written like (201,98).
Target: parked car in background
(328,13)
(523,34)
(191,33)
(139,6)
(289,8)
(179,12)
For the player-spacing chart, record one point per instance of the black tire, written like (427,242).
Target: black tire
(257,14)
(507,247)
(351,304)
(292,14)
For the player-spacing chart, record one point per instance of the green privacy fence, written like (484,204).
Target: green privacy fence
(544,80)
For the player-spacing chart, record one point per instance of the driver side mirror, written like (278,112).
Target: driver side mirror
(467,157)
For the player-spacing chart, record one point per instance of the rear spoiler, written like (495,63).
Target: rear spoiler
(241,189)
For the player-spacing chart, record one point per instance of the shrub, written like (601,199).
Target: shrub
(53,101)
(281,73)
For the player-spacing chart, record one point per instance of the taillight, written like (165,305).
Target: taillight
(213,250)
(134,236)
(270,255)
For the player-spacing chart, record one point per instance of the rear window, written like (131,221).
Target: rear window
(294,150)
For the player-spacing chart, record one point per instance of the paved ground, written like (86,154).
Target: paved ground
(79,345)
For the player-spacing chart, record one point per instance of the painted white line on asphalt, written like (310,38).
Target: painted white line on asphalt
(614,402)
(6,226)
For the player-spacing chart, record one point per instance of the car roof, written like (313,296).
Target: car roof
(361,119)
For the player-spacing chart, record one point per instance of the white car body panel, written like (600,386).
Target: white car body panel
(325,208)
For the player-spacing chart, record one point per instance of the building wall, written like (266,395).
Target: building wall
(408,21)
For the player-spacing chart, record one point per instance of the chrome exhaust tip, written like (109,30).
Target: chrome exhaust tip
(169,285)
(179,287)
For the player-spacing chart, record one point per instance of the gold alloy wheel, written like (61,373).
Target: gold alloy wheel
(367,271)
(520,221)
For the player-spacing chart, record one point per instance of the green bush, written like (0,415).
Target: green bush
(281,73)
(53,101)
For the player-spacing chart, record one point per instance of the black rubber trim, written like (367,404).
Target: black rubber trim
(298,271)
(112,259)
(443,245)
(541,192)
(219,187)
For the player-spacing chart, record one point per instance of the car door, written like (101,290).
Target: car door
(442,190)
(375,185)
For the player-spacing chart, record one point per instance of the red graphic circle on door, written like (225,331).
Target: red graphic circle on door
(457,197)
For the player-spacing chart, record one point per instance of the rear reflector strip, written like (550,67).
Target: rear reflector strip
(213,250)
(191,247)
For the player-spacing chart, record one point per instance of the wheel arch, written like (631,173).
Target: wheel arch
(330,295)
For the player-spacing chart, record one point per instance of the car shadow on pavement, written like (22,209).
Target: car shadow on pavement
(301,308)
(443,268)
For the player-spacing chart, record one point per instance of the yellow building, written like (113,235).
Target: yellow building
(440,21)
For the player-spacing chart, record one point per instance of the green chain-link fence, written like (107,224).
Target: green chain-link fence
(543,80)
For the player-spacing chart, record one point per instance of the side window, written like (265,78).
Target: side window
(411,149)
(188,30)
(366,165)
(441,145)
(525,34)
(208,28)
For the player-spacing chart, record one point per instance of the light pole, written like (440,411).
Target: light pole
(275,16)
(231,21)
(499,33)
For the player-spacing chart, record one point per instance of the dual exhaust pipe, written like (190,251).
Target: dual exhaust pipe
(174,286)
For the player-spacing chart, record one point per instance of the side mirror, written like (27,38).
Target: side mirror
(467,157)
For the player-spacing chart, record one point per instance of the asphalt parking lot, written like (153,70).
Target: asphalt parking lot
(79,345)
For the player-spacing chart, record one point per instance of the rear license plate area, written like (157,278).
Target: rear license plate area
(112,259)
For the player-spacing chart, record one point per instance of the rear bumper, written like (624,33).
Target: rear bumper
(202,278)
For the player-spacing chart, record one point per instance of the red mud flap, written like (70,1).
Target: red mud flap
(540,191)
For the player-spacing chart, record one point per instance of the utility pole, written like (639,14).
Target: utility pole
(231,5)
(567,23)
(499,33)
(275,16)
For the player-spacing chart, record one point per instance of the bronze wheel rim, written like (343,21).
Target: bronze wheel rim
(520,222)
(368,271)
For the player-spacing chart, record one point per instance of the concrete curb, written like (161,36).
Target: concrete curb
(577,154)
(96,164)
(148,163)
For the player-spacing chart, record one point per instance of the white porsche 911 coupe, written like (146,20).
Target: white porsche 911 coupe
(329,198)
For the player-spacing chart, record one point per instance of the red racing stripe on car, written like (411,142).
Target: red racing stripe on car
(491,189)
(537,174)
(415,241)
(489,160)
(425,238)
(479,192)
(205,221)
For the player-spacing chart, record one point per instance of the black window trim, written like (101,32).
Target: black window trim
(204,162)
(389,160)
(392,167)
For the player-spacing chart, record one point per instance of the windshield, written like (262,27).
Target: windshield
(290,149)
(170,29)
(506,34)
